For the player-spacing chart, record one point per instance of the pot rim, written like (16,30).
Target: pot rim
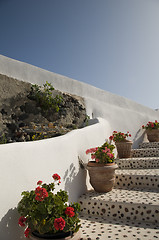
(92,164)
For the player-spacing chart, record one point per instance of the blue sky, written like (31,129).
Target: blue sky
(110,44)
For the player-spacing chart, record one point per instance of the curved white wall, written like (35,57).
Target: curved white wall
(23,164)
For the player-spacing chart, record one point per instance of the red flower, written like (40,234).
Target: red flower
(21,221)
(111,137)
(56,177)
(59,223)
(70,211)
(26,233)
(39,182)
(41,193)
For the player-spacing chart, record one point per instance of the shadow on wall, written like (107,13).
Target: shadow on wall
(139,138)
(9,228)
(74,180)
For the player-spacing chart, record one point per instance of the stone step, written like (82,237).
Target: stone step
(145,152)
(149,145)
(122,204)
(136,163)
(100,228)
(144,178)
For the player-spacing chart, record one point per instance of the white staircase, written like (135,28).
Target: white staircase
(131,209)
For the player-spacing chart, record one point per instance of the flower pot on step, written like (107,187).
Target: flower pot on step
(102,176)
(124,148)
(153,135)
(61,236)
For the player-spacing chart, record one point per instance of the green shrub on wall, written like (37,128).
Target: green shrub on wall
(43,96)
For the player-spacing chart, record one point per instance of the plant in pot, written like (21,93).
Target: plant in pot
(152,131)
(123,145)
(47,215)
(102,167)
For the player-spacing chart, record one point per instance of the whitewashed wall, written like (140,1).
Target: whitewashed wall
(23,164)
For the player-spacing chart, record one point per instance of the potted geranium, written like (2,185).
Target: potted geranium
(47,215)
(102,167)
(123,145)
(152,130)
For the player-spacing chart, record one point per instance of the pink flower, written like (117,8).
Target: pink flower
(22,221)
(97,160)
(87,151)
(69,211)
(156,121)
(26,233)
(39,182)
(59,223)
(92,156)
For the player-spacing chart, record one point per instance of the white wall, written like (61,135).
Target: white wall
(23,164)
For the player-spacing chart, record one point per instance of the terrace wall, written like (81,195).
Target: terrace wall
(23,164)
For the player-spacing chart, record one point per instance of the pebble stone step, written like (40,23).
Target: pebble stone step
(100,228)
(143,178)
(129,204)
(145,152)
(136,163)
(149,145)
(131,209)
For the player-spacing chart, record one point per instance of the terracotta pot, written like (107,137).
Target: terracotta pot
(75,236)
(153,135)
(102,176)
(124,148)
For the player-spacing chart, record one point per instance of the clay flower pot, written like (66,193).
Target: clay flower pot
(102,176)
(153,135)
(124,148)
(61,236)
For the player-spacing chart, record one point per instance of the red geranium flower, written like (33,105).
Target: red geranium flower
(26,233)
(41,193)
(21,221)
(111,137)
(70,211)
(56,177)
(59,223)
(39,182)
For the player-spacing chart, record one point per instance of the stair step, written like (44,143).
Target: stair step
(93,228)
(145,152)
(133,205)
(149,145)
(144,162)
(147,178)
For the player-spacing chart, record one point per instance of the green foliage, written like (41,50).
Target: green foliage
(151,125)
(41,214)
(119,136)
(3,139)
(103,154)
(43,96)
(87,119)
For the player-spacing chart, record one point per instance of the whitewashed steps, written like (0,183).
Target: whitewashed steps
(131,209)
(145,152)
(100,228)
(143,178)
(149,145)
(129,204)
(136,163)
